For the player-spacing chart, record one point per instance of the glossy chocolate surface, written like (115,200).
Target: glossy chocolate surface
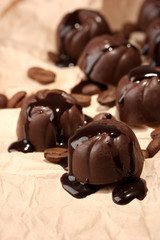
(137,96)
(104,152)
(106,59)
(48,118)
(76,29)
(128,190)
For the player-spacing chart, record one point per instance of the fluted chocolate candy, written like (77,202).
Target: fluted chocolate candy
(106,59)
(137,96)
(48,118)
(76,29)
(148,13)
(152,42)
(104,152)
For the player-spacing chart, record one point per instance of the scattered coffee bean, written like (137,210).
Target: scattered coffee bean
(83,100)
(145,153)
(3,101)
(88,87)
(16,100)
(153,147)
(107,97)
(155,133)
(55,155)
(53,56)
(41,75)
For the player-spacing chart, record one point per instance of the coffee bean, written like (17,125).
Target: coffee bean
(53,57)
(83,100)
(107,97)
(145,153)
(155,133)
(153,147)
(3,101)
(41,75)
(88,87)
(55,155)
(16,100)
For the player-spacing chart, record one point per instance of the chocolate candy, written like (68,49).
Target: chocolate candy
(104,152)
(148,13)
(137,96)
(48,118)
(152,42)
(106,59)
(76,29)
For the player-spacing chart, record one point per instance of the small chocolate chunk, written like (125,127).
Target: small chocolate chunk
(153,147)
(3,101)
(155,133)
(41,75)
(55,155)
(16,100)
(145,153)
(107,97)
(83,100)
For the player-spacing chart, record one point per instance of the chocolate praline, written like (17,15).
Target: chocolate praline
(106,59)
(152,43)
(137,96)
(149,11)
(104,152)
(77,28)
(48,118)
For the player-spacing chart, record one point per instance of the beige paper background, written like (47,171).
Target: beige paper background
(33,204)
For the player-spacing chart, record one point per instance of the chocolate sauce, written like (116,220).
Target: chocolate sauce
(54,106)
(143,72)
(93,58)
(21,146)
(64,164)
(126,191)
(87,119)
(77,189)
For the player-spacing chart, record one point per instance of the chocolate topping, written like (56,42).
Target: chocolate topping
(48,118)
(76,29)
(106,59)
(103,152)
(137,96)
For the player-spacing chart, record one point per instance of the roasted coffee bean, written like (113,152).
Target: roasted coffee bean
(155,133)
(83,100)
(53,56)
(153,147)
(41,75)
(107,97)
(3,101)
(145,153)
(16,100)
(55,155)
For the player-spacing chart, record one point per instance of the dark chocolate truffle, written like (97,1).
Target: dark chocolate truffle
(106,59)
(137,96)
(76,29)
(152,42)
(104,152)
(48,118)
(150,10)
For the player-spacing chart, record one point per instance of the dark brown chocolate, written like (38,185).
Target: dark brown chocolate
(104,152)
(152,43)
(48,118)
(137,96)
(106,59)
(150,10)
(76,29)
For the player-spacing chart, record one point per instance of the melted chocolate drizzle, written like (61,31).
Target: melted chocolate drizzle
(143,72)
(21,146)
(77,189)
(126,191)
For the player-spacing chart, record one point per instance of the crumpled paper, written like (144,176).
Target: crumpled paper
(33,204)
